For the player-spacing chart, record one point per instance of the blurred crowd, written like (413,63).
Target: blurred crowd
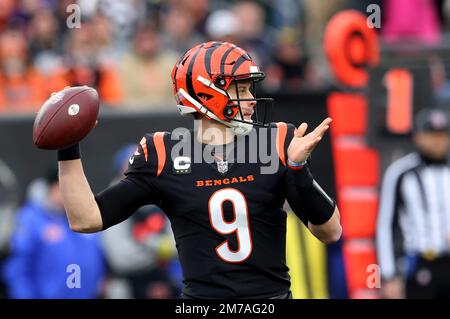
(126,49)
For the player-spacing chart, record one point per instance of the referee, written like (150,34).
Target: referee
(413,227)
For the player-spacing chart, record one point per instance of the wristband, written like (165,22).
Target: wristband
(70,153)
(296,166)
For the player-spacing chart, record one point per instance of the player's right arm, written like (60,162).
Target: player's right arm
(81,207)
(87,212)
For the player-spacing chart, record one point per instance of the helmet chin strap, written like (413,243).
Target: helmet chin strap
(239,128)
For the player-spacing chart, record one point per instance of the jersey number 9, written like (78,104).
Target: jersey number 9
(240,224)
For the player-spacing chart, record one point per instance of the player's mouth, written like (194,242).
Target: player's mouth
(247,114)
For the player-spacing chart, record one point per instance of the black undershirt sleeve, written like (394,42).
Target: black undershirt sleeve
(121,200)
(307,199)
(137,189)
(293,199)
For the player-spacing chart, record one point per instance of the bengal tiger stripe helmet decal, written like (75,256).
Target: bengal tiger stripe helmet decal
(203,74)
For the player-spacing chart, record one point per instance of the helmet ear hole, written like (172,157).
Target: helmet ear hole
(228,111)
(220,81)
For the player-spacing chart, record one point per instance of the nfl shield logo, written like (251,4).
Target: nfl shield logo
(222,166)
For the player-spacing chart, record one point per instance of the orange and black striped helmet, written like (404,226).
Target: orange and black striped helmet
(202,76)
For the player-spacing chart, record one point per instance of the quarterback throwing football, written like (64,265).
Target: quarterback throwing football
(226,214)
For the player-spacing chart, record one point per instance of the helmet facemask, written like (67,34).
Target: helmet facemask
(262,110)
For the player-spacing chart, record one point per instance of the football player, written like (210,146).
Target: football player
(226,214)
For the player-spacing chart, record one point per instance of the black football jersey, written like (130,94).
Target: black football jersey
(225,207)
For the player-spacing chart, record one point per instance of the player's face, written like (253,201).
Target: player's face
(243,92)
(433,144)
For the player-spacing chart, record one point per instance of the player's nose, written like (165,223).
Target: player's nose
(250,104)
(248,108)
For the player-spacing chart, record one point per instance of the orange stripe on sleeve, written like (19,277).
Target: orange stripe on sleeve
(158,140)
(281,138)
(143,143)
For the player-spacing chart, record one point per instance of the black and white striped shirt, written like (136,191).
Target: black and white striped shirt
(415,195)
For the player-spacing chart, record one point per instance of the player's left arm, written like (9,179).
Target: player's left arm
(330,231)
(320,211)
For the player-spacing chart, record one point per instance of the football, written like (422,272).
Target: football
(66,118)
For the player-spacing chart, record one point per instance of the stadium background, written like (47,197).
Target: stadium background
(372,88)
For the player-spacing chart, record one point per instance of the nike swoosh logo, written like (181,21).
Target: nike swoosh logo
(131,160)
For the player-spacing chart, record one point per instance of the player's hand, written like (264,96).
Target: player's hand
(302,145)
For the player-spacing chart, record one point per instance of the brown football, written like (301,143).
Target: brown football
(66,118)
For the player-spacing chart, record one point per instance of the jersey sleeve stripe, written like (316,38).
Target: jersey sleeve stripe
(158,140)
(143,143)
(281,138)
